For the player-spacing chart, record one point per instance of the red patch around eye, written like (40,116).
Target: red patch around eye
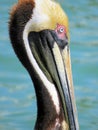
(60,31)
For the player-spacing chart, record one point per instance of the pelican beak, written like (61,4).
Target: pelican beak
(53,57)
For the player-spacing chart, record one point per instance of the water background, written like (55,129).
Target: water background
(17,96)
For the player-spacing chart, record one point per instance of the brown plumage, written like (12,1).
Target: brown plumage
(31,28)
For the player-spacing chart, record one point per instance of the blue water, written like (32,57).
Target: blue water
(17,96)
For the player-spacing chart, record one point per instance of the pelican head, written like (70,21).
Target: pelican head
(40,37)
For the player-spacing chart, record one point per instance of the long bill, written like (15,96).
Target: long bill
(53,57)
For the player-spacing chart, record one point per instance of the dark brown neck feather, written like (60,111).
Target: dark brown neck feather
(46,115)
(20,15)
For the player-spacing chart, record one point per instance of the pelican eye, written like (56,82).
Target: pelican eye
(61,30)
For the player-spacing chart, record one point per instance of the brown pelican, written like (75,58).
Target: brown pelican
(39,35)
